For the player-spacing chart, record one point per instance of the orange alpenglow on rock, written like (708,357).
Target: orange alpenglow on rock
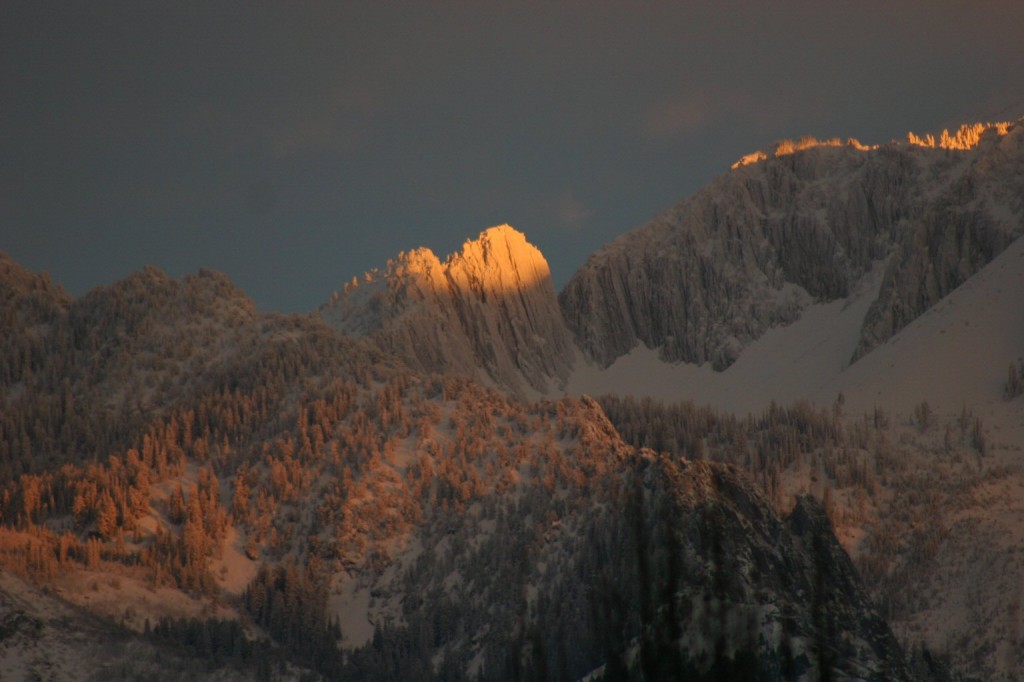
(489,311)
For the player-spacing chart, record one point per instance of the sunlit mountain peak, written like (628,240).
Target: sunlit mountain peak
(787,147)
(499,260)
(964,138)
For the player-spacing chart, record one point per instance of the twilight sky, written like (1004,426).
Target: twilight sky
(294,145)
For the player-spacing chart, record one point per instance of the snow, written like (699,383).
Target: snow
(360,601)
(351,605)
(47,636)
(233,569)
(130,600)
(785,364)
(956,354)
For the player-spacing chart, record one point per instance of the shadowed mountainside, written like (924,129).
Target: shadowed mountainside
(803,224)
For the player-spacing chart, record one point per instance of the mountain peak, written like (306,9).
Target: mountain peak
(965,138)
(787,147)
(16,279)
(499,232)
(804,221)
(419,263)
(499,260)
(490,307)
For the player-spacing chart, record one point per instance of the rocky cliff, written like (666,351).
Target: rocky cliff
(489,312)
(803,222)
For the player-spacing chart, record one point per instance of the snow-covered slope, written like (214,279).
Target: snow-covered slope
(799,224)
(956,354)
(488,312)
(785,364)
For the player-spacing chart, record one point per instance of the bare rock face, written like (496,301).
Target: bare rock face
(803,222)
(489,311)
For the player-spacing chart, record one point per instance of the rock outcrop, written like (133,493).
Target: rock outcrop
(488,312)
(666,569)
(799,223)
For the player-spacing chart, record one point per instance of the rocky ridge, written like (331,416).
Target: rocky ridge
(799,223)
(489,311)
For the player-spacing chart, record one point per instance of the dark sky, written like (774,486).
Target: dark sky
(295,145)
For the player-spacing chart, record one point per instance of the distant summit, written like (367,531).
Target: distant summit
(489,311)
(799,223)
(965,138)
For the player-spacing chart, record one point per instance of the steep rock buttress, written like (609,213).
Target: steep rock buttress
(489,311)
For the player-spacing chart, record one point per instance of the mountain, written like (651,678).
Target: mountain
(689,574)
(955,354)
(767,284)
(84,377)
(222,488)
(489,312)
(381,490)
(926,504)
(801,223)
(911,350)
